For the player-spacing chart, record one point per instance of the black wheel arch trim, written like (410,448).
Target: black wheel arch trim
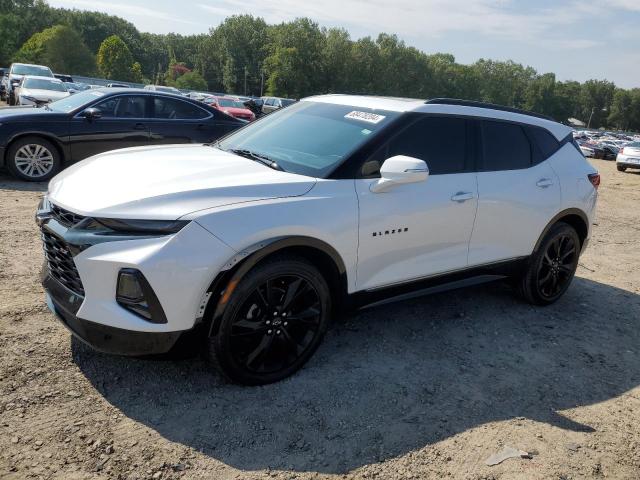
(557,218)
(239,265)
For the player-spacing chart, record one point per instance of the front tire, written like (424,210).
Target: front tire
(33,159)
(621,168)
(552,267)
(273,322)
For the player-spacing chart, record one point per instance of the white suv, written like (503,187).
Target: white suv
(252,243)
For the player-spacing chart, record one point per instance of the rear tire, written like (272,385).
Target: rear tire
(552,267)
(273,322)
(621,168)
(33,159)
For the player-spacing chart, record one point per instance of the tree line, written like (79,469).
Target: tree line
(245,55)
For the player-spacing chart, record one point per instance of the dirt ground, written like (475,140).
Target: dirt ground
(427,388)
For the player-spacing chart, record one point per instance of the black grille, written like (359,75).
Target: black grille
(60,262)
(65,217)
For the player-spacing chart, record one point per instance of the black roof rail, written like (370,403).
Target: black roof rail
(492,106)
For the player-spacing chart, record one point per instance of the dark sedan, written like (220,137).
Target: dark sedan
(36,143)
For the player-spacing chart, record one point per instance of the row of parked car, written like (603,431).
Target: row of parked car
(623,148)
(26,84)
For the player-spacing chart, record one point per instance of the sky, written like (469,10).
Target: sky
(576,40)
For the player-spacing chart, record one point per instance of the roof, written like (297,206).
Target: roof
(446,106)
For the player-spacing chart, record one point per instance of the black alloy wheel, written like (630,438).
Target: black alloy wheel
(273,323)
(552,267)
(557,266)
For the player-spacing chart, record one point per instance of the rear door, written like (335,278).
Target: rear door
(173,120)
(518,191)
(123,124)
(421,229)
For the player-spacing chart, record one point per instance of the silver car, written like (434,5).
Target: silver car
(271,104)
(19,70)
(628,157)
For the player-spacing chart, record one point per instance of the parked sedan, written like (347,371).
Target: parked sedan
(272,104)
(628,157)
(39,90)
(36,143)
(232,106)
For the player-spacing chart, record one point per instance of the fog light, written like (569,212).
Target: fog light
(134,293)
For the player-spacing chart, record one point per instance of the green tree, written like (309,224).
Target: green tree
(61,48)
(294,66)
(115,61)
(191,81)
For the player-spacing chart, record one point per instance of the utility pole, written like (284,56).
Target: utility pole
(245,80)
(590,117)
(261,82)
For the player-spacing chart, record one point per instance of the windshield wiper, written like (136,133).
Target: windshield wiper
(258,157)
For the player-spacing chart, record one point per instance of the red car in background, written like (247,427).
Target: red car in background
(232,106)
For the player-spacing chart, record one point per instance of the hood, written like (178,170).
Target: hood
(168,182)
(24,111)
(43,94)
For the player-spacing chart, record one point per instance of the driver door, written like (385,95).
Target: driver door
(122,124)
(416,230)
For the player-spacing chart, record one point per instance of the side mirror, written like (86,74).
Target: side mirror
(92,113)
(400,170)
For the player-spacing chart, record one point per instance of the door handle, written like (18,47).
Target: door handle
(462,197)
(544,182)
(140,126)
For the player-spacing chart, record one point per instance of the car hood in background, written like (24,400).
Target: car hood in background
(40,94)
(168,182)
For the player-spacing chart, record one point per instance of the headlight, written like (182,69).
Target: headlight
(164,227)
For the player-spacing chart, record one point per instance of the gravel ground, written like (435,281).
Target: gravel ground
(427,388)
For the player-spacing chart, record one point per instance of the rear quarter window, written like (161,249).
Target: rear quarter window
(544,143)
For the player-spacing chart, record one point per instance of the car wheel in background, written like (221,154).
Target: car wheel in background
(621,168)
(33,159)
(552,267)
(273,322)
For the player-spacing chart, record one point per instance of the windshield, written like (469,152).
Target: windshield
(44,84)
(286,102)
(31,70)
(310,138)
(68,104)
(230,102)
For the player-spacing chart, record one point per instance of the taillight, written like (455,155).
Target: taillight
(594,178)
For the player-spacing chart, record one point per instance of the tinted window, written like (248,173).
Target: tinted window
(125,106)
(310,138)
(439,141)
(171,108)
(504,147)
(270,101)
(544,141)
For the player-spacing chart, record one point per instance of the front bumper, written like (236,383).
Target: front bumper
(65,304)
(82,272)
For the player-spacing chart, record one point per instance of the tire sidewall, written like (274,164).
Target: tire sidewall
(219,344)
(15,146)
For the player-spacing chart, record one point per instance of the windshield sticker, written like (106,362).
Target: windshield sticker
(365,116)
(97,94)
(365,131)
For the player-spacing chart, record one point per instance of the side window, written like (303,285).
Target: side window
(174,109)
(125,106)
(439,141)
(504,146)
(546,144)
(270,101)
